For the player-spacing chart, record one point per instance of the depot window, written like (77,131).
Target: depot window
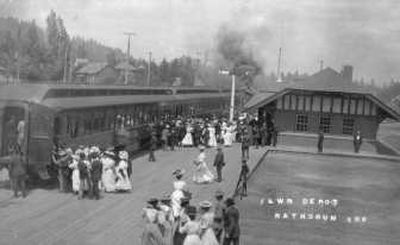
(348,125)
(301,122)
(325,123)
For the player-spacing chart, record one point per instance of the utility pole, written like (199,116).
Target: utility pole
(232,106)
(321,65)
(279,66)
(149,70)
(128,53)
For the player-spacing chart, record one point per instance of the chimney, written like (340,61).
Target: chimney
(347,74)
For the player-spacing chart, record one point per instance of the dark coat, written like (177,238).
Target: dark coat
(231,222)
(17,166)
(357,141)
(245,141)
(153,143)
(97,169)
(219,160)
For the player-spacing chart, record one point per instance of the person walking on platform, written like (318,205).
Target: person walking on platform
(153,147)
(245,145)
(320,141)
(219,211)
(231,223)
(357,141)
(219,163)
(17,171)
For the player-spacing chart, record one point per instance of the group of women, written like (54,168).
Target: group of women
(210,133)
(172,220)
(112,175)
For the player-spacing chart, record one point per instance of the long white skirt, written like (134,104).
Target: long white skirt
(202,174)
(108,180)
(227,139)
(212,142)
(209,238)
(123,182)
(75,180)
(187,140)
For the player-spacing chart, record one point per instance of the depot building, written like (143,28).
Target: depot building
(333,111)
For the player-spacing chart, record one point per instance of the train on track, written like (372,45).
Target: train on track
(37,115)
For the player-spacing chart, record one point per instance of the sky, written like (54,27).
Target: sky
(362,33)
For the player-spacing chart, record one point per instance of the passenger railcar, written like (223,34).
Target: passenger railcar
(37,115)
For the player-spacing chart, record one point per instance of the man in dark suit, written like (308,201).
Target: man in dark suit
(219,163)
(245,145)
(17,171)
(153,147)
(231,223)
(357,141)
(96,170)
(320,140)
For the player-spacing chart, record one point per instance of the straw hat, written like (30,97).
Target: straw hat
(205,204)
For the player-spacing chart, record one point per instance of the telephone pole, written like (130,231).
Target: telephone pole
(149,70)
(128,53)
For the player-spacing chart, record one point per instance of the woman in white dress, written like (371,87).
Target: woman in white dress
(202,174)
(108,176)
(75,172)
(188,139)
(212,142)
(206,224)
(190,227)
(227,135)
(123,182)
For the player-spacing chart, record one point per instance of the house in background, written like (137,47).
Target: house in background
(127,73)
(97,73)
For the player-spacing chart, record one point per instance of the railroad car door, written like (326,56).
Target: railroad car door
(12,133)
(40,142)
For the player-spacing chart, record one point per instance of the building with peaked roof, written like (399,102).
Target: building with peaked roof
(97,73)
(335,111)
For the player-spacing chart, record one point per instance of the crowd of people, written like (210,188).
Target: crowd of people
(210,132)
(173,220)
(88,170)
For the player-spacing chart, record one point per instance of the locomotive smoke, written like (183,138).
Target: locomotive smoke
(241,44)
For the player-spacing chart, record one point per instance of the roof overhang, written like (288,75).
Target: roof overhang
(262,99)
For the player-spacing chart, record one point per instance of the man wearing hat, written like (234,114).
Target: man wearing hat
(219,163)
(96,171)
(17,170)
(231,223)
(61,159)
(219,211)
